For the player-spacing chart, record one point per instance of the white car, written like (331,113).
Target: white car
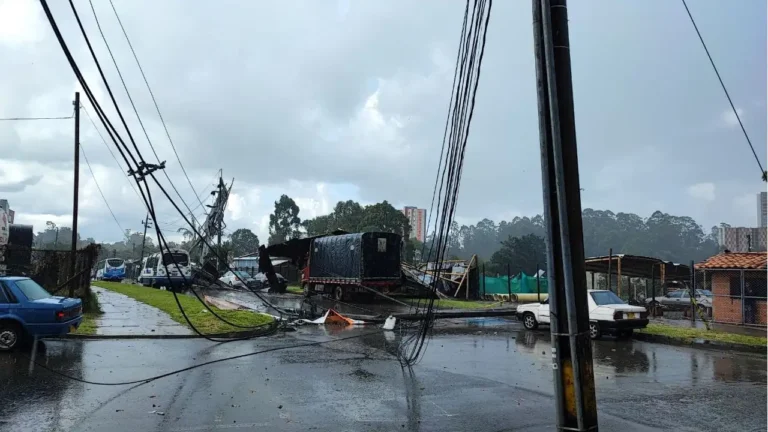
(681,300)
(607,314)
(239,279)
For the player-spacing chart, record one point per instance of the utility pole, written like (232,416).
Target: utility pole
(570,332)
(145,222)
(73,258)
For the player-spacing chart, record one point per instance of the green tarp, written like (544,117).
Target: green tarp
(520,284)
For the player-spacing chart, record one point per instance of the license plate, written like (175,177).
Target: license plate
(631,315)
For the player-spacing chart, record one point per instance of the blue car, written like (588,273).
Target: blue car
(27,310)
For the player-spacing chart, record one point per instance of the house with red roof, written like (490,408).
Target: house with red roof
(738,283)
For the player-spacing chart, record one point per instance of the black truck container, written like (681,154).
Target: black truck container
(349,264)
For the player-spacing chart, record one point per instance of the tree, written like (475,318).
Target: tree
(413,249)
(319,225)
(284,223)
(385,218)
(244,241)
(521,254)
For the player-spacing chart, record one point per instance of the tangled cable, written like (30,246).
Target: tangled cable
(460,111)
(140,170)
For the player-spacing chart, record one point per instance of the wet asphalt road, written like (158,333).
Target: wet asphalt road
(487,378)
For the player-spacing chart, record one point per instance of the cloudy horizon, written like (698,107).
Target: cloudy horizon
(335,100)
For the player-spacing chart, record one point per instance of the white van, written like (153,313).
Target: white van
(153,269)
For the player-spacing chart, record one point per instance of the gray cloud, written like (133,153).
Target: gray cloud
(313,92)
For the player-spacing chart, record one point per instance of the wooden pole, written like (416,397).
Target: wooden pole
(73,258)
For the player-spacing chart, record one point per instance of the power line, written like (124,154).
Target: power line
(189,368)
(110,151)
(725,90)
(96,182)
(37,118)
(143,170)
(133,105)
(152,95)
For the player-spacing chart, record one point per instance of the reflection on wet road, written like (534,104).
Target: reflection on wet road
(465,382)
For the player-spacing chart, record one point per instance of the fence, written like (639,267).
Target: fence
(738,296)
(52,268)
(520,284)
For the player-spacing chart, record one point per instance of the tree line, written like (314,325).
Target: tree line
(517,244)
(520,242)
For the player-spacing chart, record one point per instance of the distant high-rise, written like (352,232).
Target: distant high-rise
(740,239)
(418,220)
(762,209)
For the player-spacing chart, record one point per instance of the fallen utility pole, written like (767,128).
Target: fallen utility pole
(571,345)
(73,258)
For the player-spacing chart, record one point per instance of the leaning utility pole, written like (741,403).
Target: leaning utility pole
(73,258)
(145,222)
(571,345)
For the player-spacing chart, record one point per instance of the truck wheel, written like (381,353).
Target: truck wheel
(11,335)
(594,330)
(305,287)
(338,293)
(529,321)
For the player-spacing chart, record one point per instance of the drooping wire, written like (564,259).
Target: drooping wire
(133,188)
(727,95)
(152,95)
(133,104)
(96,182)
(37,118)
(124,150)
(460,113)
(140,163)
(189,368)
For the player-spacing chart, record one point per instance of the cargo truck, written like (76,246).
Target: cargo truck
(343,266)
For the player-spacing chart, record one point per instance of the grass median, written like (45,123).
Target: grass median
(458,304)
(202,319)
(88,325)
(691,334)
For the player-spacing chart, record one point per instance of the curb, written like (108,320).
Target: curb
(231,335)
(699,343)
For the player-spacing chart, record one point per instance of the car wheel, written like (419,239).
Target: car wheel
(10,335)
(529,321)
(594,330)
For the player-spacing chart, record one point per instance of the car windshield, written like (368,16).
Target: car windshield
(706,293)
(602,298)
(179,258)
(114,262)
(243,275)
(32,290)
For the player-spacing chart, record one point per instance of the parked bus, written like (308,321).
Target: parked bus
(110,269)
(153,270)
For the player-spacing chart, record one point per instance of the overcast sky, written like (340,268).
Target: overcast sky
(335,100)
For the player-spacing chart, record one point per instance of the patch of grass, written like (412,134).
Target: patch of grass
(88,325)
(697,333)
(295,289)
(459,304)
(202,319)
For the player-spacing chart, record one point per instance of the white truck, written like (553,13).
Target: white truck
(607,314)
